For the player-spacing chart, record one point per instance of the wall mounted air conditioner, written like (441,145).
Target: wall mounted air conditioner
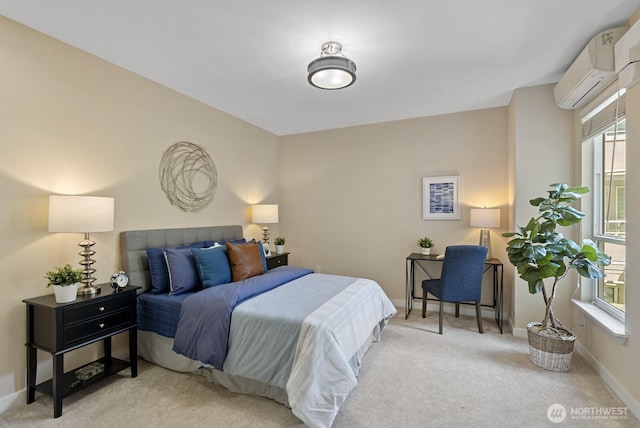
(627,57)
(591,72)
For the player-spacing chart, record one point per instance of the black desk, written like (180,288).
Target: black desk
(421,260)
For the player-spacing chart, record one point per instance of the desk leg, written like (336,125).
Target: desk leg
(501,298)
(496,296)
(58,384)
(498,290)
(133,351)
(406,289)
(409,288)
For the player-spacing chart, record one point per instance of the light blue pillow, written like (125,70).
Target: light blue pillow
(183,272)
(213,265)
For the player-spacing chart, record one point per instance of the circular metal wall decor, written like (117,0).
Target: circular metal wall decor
(188,176)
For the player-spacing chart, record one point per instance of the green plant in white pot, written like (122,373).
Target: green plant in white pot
(279,243)
(65,281)
(425,245)
(539,252)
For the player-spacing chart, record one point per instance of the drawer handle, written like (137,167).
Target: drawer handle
(101,325)
(101,309)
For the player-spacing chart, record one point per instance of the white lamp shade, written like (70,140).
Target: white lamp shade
(80,214)
(485,217)
(263,214)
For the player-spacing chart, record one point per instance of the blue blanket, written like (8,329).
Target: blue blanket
(205,318)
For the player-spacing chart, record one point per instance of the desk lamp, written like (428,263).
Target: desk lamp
(264,214)
(83,214)
(485,218)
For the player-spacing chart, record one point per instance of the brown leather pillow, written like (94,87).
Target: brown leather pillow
(245,260)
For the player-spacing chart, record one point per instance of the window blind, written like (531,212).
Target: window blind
(604,118)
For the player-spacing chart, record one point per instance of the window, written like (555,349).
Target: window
(605,134)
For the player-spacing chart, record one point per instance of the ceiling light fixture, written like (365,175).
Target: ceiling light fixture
(332,70)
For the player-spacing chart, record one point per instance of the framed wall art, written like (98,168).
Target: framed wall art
(440,199)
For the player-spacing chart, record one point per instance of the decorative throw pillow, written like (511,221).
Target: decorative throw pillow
(245,260)
(262,255)
(158,266)
(213,265)
(183,273)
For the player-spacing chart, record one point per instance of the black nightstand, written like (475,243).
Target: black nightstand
(277,260)
(58,328)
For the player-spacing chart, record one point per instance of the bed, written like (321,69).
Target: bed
(288,334)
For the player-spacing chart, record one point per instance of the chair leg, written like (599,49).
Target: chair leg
(457,310)
(479,318)
(424,305)
(440,316)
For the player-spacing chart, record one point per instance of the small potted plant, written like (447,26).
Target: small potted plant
(279,243)
(425,245)
(65,281)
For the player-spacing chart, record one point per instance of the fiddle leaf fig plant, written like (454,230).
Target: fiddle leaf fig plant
(539,251)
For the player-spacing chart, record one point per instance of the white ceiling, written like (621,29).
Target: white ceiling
(414,57)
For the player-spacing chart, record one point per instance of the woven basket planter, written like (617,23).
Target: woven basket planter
(550,352)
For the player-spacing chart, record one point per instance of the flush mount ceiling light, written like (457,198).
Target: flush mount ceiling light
(332,70)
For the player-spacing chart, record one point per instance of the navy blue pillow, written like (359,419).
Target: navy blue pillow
(158,266)
(183,272)
(213,265)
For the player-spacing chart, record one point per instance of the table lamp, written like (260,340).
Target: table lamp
(485,218)
(264,214)
(82,214)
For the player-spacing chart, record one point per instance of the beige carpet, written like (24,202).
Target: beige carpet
(412,378)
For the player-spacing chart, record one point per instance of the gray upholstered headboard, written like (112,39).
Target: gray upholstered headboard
(134,244)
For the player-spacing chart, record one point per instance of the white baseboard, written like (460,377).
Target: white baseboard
(627,398)
(623,393)
(520,332)
(13,400)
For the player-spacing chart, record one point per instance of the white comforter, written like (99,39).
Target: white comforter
(322,376)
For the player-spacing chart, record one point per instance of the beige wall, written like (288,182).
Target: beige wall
(351,199)
(73,124)
(543,153)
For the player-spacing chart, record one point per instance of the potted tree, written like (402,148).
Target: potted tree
(279,243)
(539,252)
(425,245)
(65,281)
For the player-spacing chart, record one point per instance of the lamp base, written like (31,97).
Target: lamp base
(89,290)
(485,241)
(265,235)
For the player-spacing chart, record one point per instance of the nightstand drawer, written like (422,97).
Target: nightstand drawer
(96,327)
(277,260)
(100,308)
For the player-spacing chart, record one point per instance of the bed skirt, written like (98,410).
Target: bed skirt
(158,350)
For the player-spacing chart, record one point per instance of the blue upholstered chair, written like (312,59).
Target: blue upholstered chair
(461,279)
